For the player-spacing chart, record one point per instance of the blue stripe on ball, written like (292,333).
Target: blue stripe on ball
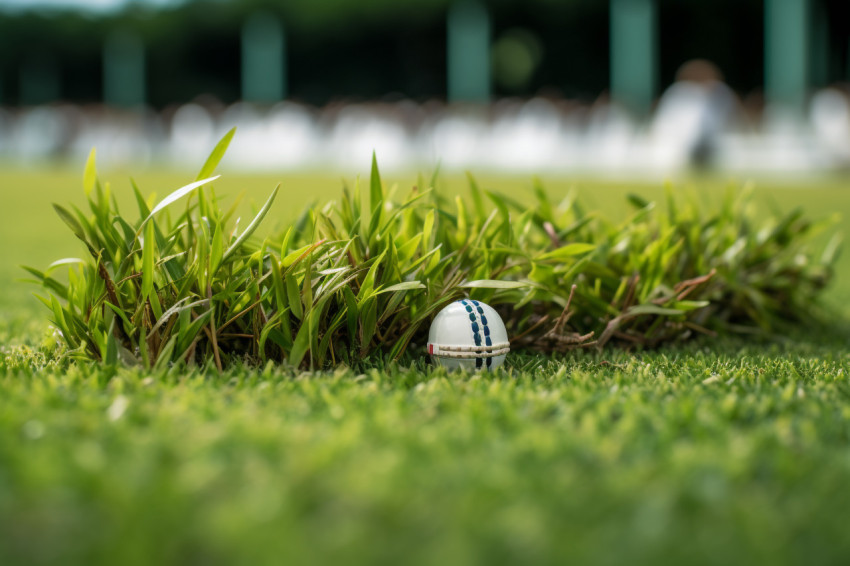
(476,336)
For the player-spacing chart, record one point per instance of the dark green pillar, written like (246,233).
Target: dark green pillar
(124,70)
(468,52)
(263,59)
(786,69)
(633,53)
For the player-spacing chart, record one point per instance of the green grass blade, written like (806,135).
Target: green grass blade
(90,173)
(148,253)
(494,284)
(376,190)
(72,222)
(570,250)
(406,286)
(216,252)
(255,223)
(175,196)
(215,157)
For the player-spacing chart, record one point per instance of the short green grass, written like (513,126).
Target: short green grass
(716,452)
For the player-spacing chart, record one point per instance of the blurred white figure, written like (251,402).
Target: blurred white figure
(40,133)
(251,148)
(358,131)
(572,138)
(695,123)
(120,137)
(692,116)
(529,140)
(292,135)
(459,140)
(610,138)
(283,136)
(830,116)
(192,135)
(788,142)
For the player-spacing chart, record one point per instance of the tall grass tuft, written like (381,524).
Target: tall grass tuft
(364,275)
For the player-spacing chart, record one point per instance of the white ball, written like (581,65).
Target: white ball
(468,334)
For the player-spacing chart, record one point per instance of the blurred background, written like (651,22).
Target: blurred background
(579,86)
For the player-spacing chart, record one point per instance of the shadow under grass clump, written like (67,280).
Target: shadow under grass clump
(360,279)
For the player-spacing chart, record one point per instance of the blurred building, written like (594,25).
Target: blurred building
(169,51)
(596,84)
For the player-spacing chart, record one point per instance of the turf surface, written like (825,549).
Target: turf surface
(716,452)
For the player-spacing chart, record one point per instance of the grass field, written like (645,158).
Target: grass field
(726,451)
